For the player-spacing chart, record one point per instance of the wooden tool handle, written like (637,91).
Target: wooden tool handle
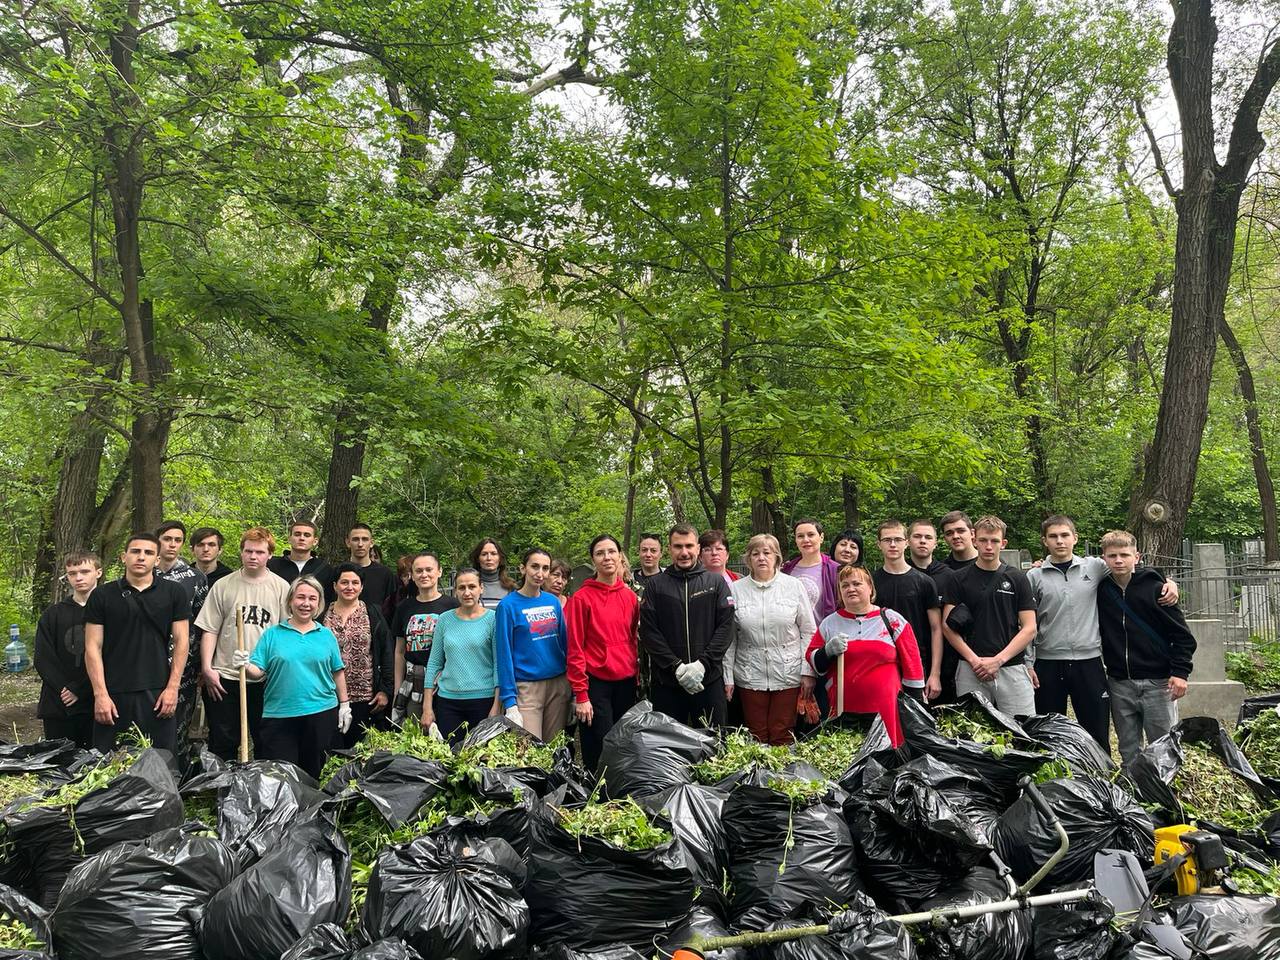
(244,691)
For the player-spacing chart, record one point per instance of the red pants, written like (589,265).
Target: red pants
(770,714)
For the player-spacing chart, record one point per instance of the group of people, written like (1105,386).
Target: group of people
(325,652)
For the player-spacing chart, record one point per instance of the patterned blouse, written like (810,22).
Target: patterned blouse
(355,642)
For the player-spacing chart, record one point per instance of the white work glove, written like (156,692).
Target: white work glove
(434,733)
(513,714)
(689,676)
(836,646)
(239,658)
(344,717)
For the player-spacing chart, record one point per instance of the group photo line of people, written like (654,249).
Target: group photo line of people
(328,651)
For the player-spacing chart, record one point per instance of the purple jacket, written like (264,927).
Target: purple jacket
(827,602)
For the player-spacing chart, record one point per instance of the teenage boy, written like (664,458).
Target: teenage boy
(912,593)
(259,595)
(170,566)
(1147,647)
(1065,658)
(300,559)
(128,626)
(686,623)
(957,530)
(380,583)
(66,698)
(206,547)
(989,617)
(650,556)
(924,540)
(713,551)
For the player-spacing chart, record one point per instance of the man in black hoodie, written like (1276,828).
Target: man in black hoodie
(1146,647)
(686,623)
(66,699)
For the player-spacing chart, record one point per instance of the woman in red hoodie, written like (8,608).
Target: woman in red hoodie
(603,618)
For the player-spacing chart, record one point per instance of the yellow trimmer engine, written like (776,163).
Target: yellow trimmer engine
(1199,855)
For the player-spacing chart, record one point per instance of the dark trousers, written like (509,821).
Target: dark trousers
(78,729)
(704,709)
(362,720)
(137,707)
(303,741)
(456,717)
(1084,682)
(950,660)
(770,714)
(610,699)
(223,717)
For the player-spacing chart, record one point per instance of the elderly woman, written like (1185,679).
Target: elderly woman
(765,664)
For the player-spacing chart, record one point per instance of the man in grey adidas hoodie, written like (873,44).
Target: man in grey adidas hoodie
(1065,658)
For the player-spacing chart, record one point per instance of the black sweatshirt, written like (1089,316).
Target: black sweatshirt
(686,615)
(1130,650)
(59,657)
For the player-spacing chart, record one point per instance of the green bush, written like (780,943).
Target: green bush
(1258,668)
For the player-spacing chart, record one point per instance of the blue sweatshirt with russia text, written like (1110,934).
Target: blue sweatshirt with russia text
(529,641)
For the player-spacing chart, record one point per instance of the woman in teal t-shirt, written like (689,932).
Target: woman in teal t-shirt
(305,701)
(461,684)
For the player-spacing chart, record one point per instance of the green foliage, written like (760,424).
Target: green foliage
(1258,667)
(1208,790)
(622,823)
(1259,741)
(831,751)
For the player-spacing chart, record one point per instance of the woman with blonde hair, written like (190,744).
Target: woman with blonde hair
(875,647)
(765,663)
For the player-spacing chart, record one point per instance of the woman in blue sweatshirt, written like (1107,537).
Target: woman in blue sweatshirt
(460,685)
(530,644)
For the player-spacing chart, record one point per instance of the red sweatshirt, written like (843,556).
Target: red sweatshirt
(603,626)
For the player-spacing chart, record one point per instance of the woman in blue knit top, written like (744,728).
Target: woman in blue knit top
(461,684)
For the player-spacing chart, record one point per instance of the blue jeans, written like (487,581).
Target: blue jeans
(1138,708)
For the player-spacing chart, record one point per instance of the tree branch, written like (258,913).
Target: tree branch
(1156,154)
(57,255)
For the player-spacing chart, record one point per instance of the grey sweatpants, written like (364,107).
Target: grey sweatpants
(1138,708)
(1010,692)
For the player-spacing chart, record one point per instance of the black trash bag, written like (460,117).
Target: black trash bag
(702,921)
(868,934)
(510,824)
(257,803)
(646,752)
(877,746)
(918,829)
(614,951)
(1096,814)
(1230,928)
(590,894)
(15,907)
(1253,706)
(1064,739)
(135,899)
(1153,770)
(394,784)
(1080,931)
(992,936)
(513,783)
(997,769)
(56,761)
(694,812)
(785,855)
(328,941)
(46,842)
(305,881)
(462,906)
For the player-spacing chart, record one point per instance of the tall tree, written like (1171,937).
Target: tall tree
(1208,206)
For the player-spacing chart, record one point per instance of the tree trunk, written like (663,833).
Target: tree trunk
(849,499)
(633,466)
(1257,451)
(1208,207)
(677,500)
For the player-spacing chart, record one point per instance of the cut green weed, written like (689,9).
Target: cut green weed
(16,935)
(622,823)
(1259,740)
(1208,790)
(741,751)
(832,752)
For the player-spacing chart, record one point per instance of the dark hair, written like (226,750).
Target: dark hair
(347,567)
(404,565)
(684,529)
(474,557)
(361,526)
(955,516)
(802,521)
(853,535)
(562,567)
(424,553)
(146,535)
(524,557)
(201,534)
(599,540)
(311,523)
(172,525)
(921,523)
(711,537)
(77,557)
(1057,520)
(462,572)
(649,536)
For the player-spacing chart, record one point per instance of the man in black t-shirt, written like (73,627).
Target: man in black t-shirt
(1001,622)
(66,699)
(924,540)
(901,587)
(957,530)
(128,626)
(380,583)
(413,629)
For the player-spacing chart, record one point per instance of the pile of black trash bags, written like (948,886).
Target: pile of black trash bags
(126,874)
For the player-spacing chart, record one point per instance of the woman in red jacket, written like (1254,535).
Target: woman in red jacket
(878,648)
(603,618)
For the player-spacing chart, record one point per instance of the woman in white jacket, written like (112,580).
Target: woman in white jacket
(765,663)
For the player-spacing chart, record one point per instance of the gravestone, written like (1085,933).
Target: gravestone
(1210,693)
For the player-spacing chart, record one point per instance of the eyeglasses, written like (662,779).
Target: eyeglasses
(893,539)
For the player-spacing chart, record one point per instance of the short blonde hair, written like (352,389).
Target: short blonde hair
(991,522)
(768,541)
(850,570)
(306,580)
(1118,538)
(259,533)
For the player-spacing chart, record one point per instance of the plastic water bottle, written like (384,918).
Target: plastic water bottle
(15,652)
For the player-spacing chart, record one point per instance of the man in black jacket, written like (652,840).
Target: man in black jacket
(66,699)
(300,559)
(686,623)
(1147,647)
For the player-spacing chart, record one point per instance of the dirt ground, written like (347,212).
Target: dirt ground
(18,695)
